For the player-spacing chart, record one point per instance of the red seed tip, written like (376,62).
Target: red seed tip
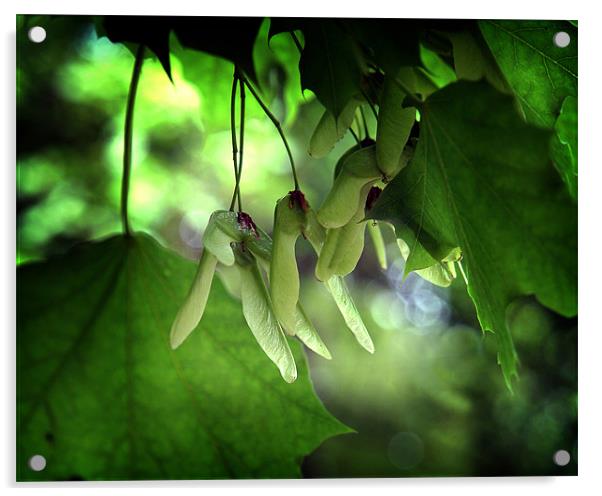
(246,223)
(296,197)
(367,142)
(373,195)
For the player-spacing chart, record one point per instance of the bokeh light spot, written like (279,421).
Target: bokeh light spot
(406,450)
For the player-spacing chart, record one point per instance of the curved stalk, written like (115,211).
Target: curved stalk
(355,137)
(128,134)
(296,41)
(242,141)
(365,123)
(236,192)
(370,104)
(276,124)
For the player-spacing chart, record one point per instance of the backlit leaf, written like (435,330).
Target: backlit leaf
(481,180)
(541,74)
(564,144)
(101,395)
(330,64)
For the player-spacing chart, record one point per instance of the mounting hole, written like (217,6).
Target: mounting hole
(562,39)
(37,463)
(562,458)
(37,34)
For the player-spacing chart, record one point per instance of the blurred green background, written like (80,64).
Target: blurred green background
(431,401)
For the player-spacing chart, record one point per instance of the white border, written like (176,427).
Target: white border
(590,281)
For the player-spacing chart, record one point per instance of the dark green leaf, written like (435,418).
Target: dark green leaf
(330,64)
(284,25)
(229,37)
(102,396)
(151,31)
(389,43)
(564,144)
(541,74)
(279,57)
(481,180)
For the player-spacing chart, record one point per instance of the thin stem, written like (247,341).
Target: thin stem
(234,146)
(370,104)
(356,121)
(364,122)
(242,141)
(296,40)
(357,140)
(277,125)
(127,142)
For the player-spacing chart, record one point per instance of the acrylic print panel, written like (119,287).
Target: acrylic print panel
(285,248)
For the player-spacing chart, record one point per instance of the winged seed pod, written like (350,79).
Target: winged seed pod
(344,198)
(258,312)
(366,142)
(378,241)
(304,329)
(229,275)
(261,248)
(336,286)
(307,334)
(222,230)
(192,309)
(340,293)
(330,129)
(394,122)
(289,224)
(344,245)
(472,61)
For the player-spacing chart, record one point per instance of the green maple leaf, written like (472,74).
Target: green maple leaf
(330,65)
(101,394)
(564,144)
(481,180)
(541,74)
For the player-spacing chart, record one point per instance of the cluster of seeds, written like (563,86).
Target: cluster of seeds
(262,272)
